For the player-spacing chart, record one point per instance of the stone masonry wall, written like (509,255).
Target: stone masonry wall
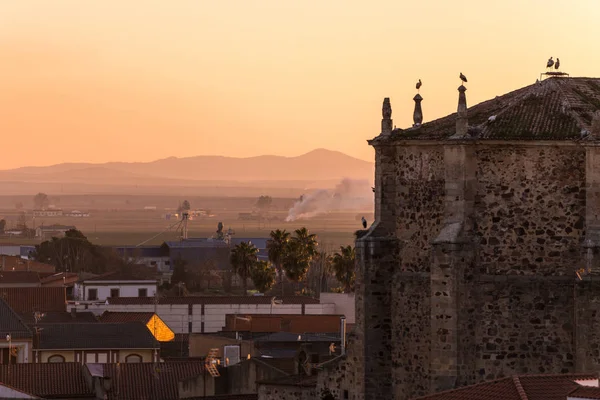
(279,392)
(530,209)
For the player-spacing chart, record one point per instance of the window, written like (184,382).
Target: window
(152,262)
(133,358)
(90,358)
(92,294)
(114,293)
(167,262)
(142,292)
(56,358)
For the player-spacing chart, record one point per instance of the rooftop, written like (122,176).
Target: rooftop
(213,300)
(19,277)
(530,387)
(131,335)
(31,299)
(123,276)
(10,323)
(47,380)
(553,109)
(122,317)
(59,317)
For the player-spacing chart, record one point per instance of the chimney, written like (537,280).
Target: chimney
(418,114)
(386,122)
(461,119)
(343,334)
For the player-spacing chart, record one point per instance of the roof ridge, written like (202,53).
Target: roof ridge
(519,387)
(463,388)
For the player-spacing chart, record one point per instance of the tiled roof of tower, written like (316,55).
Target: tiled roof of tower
(554,109)
(47,380)
(530,387)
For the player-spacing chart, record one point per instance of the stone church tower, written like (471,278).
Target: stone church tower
(483,258)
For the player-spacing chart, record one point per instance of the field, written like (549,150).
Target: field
(122,220)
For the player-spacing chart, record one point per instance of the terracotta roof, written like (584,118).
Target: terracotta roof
(15,277)
(530,387)
(140,381)
(10,323)
(588,393)
(59,317)
(554,109)
(213,300)
(121,317)
(16,263)
(68,276)
(131,335)
(31,299)
(48,380)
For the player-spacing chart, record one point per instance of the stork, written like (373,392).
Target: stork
(419,84)
(557,64)
(364,222)
(463,78)
(550,63)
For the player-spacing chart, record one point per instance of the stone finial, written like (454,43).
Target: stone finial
(418,114)
(461,118)
(386,122)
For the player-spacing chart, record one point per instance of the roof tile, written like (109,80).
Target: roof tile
(10,323)
(31,299)
(62,380)
(213,300)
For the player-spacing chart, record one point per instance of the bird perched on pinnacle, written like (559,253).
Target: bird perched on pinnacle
(419,84)
(550,63)
(364,222)
(463,78)
(557,64)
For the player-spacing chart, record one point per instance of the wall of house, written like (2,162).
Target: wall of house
(343,304)
(126,290)
(24,347)
(43,356)
(200,344)
(111,356)
(147,355)
(198,386)
(206,318)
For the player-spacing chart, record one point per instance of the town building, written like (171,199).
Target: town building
(17,263)
(114,285)
(155,325)
(45,232)
(16,339)
(49,212)
(20,279)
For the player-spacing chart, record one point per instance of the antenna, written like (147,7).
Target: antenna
(211,361)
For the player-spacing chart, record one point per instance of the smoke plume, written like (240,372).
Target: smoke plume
(348,195)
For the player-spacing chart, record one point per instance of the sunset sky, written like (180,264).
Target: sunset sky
(138,80)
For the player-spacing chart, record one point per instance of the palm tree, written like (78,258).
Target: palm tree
(308,242)
(295,262)
(277,247)
(243,258)
(343,265)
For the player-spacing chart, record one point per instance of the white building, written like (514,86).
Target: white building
(51,212)
(206,314)
(113,285)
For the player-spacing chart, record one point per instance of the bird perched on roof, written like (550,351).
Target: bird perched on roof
(463,78)
(557,64)
(419,84)
(550,63)
(364,222)
(372,188)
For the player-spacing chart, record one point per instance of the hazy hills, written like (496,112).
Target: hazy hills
(318,168)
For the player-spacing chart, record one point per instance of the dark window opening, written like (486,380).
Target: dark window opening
(114,293)
(92,294)
(142,292)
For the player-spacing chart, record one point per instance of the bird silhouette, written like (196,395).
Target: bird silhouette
(550,63)
(419,84)
(463,78)
(557,64)
(364,222)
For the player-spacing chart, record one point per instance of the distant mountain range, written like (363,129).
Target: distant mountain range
(319,168)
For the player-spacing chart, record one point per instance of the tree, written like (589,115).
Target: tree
(344,266)
(263,276)
(41,200)
(179,271)
(308,242)
(185,206)
(295,262)
(2,225)
(264,203)
(277,246)
(243,258)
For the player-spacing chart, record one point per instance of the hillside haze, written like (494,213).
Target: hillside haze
(318,168)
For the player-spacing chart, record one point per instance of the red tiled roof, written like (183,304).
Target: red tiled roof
(140,381)
(62,380)
(554,109)
(586,392)
(134,275)
(58,277)
(213,300)
(32,299)
(524,387)
(16,263)
(120,317)
(11,324)
(14,277)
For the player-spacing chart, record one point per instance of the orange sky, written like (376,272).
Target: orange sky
(137,80)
